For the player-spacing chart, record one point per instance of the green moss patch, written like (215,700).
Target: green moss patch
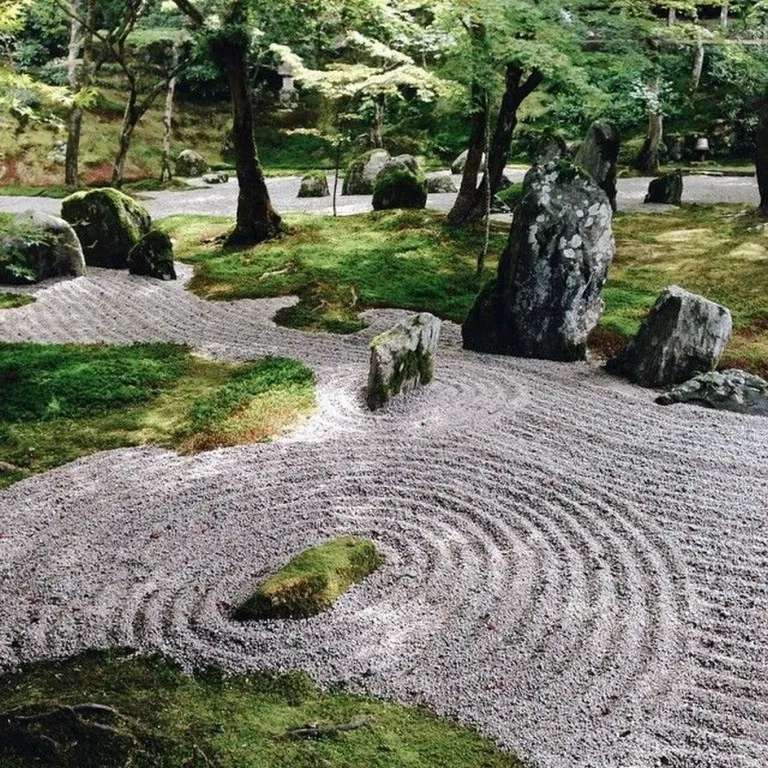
(13,300)
(118,709)
(406,259)
(63,402)
(312,581)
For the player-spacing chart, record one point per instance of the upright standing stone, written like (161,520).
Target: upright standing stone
(683,334)
(547,296)
(666,189)
(598,155)
(402,358)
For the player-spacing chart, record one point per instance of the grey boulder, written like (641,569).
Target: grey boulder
(37,246)
(361,174)
(191,163)
(598,155)
(731,390)
(666,189)
(402,359)
(314,184)
(546,297)
(441,183)
(457,166)
(684,334)
(216,177)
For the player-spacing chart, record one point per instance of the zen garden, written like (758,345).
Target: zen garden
(383,383)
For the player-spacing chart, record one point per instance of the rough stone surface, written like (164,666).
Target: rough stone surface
(314,185)
(400,184)
(731,390)
(191,163)
(499,206)
(39,246)
(153,256)
(666,189)
(598,154)
(546,297)
(457,166)
(108,224)
(441,183)
(361,174)
(216,177)
(402,359)
(683,334)
(567,565)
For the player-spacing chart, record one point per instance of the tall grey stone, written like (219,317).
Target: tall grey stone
(546,297)
(598,155)
(684,334)
(402,358)
(361,174)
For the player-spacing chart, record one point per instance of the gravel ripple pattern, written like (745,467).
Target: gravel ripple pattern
(574,570)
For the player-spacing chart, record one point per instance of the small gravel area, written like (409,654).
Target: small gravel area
(576,571)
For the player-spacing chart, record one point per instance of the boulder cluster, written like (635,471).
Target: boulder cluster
(97,228)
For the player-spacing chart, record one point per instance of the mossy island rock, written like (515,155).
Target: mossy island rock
(314,184)
(362,172)
(312,581)
(191,163)
(400,184)
(684,334)
(402,359)
(36,246)
(666,189)
(108,224)
(547,296)
(732,390)
(441,183)
(153,256)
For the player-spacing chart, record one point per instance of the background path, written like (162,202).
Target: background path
(221,200)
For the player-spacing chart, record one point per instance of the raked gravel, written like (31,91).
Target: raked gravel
(576,571)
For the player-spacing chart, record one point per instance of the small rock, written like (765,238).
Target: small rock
(402,359)
(191,163)
(666,189)
(152,256)
(457,166)
(216,177)
(441,183)
(683,334)
(314,184)
(731,390)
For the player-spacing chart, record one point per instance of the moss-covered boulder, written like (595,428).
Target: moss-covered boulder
(153,256)
(400,184)
(441,183)
(108,224)
(402,359)
(314,184)
(362,173)
(312,581)
(191,163)
(35,246)
(666,189)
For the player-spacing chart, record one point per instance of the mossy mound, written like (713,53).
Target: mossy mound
(108,224)
(153,256)
(312,581)
(314,184)
(14,300)
(115,709)
(400,185)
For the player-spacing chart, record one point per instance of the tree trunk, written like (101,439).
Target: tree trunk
(515,92)
(166,173)
(257,220)
(698,62)
(648,157)
(724,15)
(672,16)
(77,80)
(465,199)
(131,117)
(761,157)
(377,141)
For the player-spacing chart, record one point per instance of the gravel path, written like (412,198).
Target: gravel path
(221,200)
(576,571)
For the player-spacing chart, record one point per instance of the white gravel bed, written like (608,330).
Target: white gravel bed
(575,570)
